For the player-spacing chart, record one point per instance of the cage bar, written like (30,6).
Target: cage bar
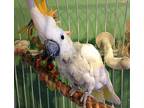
(106,14)
(17,86)
(125,21)
(32,89)
(77,12)
(96,18)
(55,95)
(87,22)
(122,88)
(48,106)
(115,29)
(57,5)
(67,11)
(24,86)
(39,88)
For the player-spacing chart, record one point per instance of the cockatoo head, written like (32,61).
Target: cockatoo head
(56,41)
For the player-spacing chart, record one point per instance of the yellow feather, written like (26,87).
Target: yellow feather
(36,3)
(43,8)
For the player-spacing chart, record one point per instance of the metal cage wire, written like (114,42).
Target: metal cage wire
(26,89)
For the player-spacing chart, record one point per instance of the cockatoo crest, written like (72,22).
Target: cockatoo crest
(43,8)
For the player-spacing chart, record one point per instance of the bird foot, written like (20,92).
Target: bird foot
(72,91)
(84,99)
(113,106)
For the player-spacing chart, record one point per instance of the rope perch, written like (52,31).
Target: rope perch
(48,76)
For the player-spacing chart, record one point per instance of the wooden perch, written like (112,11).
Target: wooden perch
(105,41)
(49,77)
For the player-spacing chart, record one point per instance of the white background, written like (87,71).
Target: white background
(7,54)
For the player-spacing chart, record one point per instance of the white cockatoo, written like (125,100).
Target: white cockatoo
(80,63)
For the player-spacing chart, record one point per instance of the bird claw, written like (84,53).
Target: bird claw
(113,106)
(74,88)
(72,91)
(84,99)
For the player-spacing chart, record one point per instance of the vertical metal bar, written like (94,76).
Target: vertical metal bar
(33,103)
(105,25)
(128,98)
(77,12)
(39,88)
(96,18)
(57,5)
(113,76)
(125,21)
(71,104)
(56,104)
(123,46)
(68,16)
(48,98)
(113,80)
(87,21)
(19,33)
(63,98)
(22,13)
(122,88)
(115,30)
(24,86)
(17,87)
(116,17)
(106,14)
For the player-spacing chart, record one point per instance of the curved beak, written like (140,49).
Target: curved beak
(52,48)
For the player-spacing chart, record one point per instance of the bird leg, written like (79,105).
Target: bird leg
(74,88)
(84,98)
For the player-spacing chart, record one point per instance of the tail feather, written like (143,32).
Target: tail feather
(98,95)
(104,94)
(109,92)
(110,95)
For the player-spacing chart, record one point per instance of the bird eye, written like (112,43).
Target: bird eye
(62,37)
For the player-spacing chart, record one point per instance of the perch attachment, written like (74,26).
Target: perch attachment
(105,41)
(21,46)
